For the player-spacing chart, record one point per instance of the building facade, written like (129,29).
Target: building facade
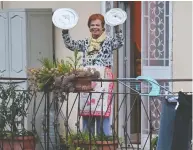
(158,42)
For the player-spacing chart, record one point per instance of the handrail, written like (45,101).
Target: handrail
(114,80)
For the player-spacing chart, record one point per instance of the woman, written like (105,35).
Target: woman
(97,51)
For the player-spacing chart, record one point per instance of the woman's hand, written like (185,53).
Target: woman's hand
(65,31)
(116,28)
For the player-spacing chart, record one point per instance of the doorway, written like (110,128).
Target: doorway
(149,42)
(135,50)
(129,66)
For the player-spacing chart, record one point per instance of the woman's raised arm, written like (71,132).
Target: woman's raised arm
(72,44)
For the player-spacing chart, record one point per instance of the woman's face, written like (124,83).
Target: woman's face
(96,28)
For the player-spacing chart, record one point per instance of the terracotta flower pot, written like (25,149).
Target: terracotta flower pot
(18,143)
(83,84)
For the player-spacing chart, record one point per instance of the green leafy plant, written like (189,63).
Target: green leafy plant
(44,77)
(74,61)
(154,143)
(13,111)
(63,67)
(84,139)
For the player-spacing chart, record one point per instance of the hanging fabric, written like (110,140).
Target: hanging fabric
(168,113)
(175,131)
(182,135)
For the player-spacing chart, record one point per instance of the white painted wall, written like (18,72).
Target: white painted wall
(182,44)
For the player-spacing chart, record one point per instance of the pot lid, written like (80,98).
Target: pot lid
(115,16)
(65,18)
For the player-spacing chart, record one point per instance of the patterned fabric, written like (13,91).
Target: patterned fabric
(104,57)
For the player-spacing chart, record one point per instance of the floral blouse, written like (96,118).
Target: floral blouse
(104,57)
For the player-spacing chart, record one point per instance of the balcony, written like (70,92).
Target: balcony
(50,120)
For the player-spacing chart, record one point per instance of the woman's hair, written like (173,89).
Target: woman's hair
(96,16)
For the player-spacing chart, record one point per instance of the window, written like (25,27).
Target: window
(156,33)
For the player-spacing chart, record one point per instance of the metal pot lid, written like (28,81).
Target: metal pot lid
(65,18)
(115,16)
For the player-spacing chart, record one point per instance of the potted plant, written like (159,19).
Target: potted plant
(67,76)
(12,114)
(43,78)
(84,141)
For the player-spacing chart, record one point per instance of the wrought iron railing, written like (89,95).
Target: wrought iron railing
(47,120)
